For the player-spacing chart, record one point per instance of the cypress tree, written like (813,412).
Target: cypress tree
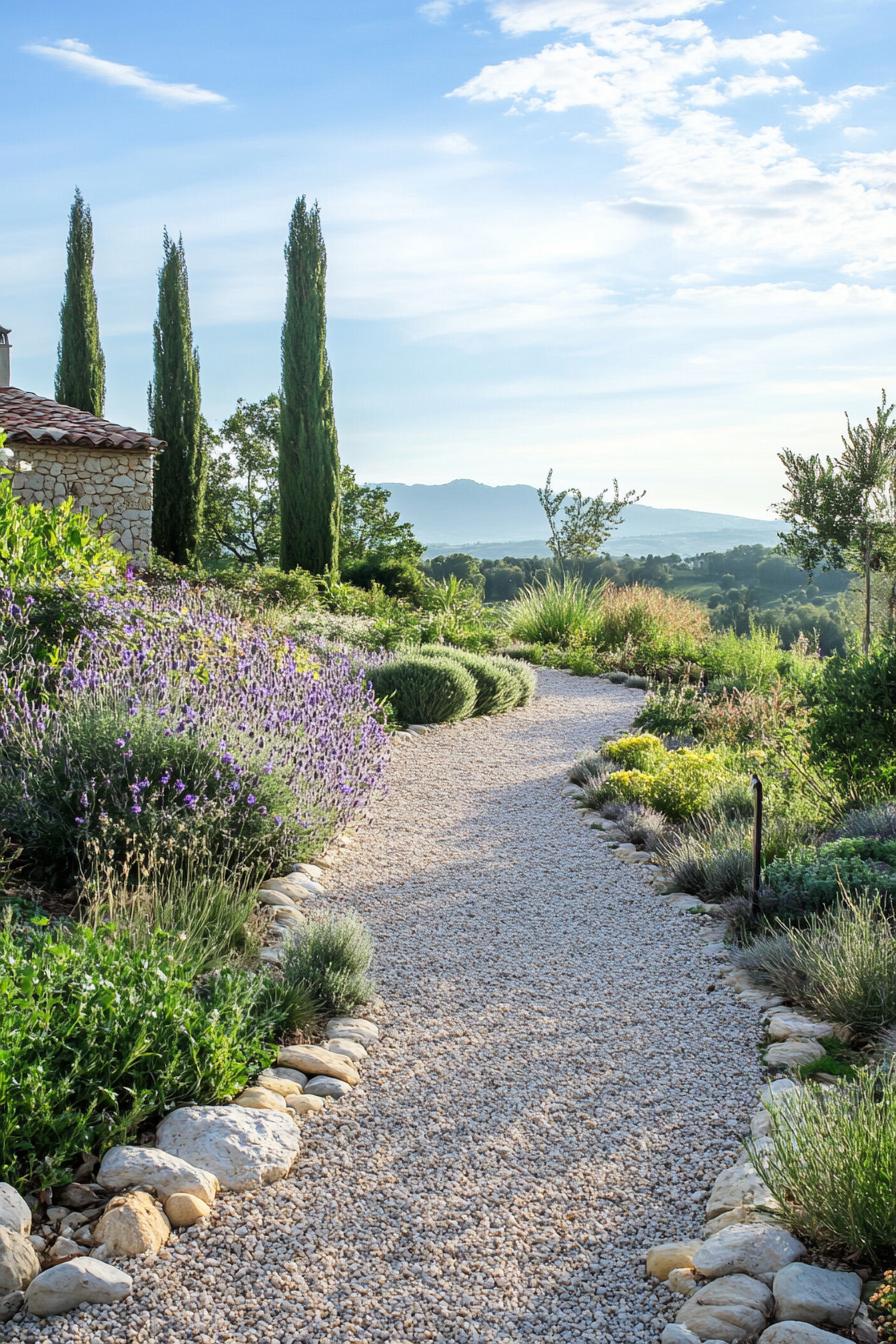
(174,415)
(309,454)
(81,368)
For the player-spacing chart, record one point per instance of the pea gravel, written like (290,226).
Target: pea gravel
(555,1090)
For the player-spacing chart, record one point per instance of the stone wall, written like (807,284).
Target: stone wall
(101,480)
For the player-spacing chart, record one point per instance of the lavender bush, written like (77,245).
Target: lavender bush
(166,716)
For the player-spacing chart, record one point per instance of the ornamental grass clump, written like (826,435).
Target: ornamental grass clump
(841,964)
(711,859)
(589,764)
(496,686)
(177,720)
(421,689)
(831,1164)
(555,612)
(329,962)
(653,626)
(182,891)
(643,826)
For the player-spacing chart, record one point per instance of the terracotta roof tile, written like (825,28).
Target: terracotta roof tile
(28,418)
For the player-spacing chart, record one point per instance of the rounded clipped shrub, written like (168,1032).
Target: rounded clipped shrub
(424,690)
(496,689)
(525,679)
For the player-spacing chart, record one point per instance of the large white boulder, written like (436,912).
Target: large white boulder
(669,1255)
(132,1225)
(784,1025)
(819,1296)
(797,1332)
(243,1148)
(732,1309)
(760,1249)
(353,1029)
(740,1184)
(18,1261)
(64,1287)
(125,1166)
(314,1060)
(15,1214)
(793,1053)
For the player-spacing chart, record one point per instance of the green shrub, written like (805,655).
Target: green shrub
(814,879)
(397,577)
(58,545)
(687,783)
(269,586)
(424,690)
(637,751)
(525,680)
(98,1036)
(496,686)
(752,661)
(329,962)
(852,733)
(553,612)
(670,711)
(831,1164)
(842,965)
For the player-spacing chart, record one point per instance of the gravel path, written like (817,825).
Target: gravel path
(555,1090)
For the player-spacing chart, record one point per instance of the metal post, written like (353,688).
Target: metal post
(756,786)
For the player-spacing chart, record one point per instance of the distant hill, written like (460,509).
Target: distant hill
(491,521)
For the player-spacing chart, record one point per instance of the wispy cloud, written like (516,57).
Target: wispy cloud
(76,55)
(828,109)
(437,11)
(453,143)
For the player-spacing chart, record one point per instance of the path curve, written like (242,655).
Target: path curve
(555,1090)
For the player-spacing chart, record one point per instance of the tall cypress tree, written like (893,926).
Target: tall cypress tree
(309,453)
(81,368)
(174,414)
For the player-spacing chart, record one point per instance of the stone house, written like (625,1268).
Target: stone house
(59,451)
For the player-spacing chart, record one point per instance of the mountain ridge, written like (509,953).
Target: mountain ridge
(501,516)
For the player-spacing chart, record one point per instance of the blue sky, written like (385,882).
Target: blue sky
(650,239)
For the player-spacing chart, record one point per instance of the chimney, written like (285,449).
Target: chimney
(4,356)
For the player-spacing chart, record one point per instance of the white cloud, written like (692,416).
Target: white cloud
(828,109)
(717,91)
(587,16)
(453,143)
(437,11)
(76,55)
